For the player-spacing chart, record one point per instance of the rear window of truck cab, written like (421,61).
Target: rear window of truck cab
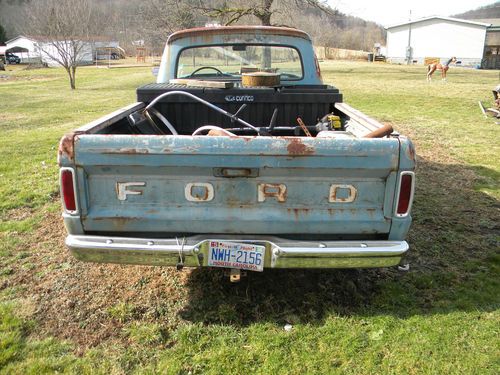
(230,61)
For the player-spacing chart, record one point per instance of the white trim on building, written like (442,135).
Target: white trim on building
(438,17)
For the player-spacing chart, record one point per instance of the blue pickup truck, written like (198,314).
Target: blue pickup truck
(239,157)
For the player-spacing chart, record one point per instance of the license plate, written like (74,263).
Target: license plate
(242,256)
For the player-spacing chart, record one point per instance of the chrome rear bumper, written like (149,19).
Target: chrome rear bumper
(280,253)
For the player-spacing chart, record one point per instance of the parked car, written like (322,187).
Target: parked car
(12,59)
(239,157)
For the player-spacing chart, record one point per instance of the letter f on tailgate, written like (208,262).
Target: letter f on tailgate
(122,191)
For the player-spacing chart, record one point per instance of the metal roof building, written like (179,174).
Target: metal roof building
(491,58)
(439,38)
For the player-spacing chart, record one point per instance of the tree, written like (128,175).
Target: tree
(160,18)
(64,30)
(233,11)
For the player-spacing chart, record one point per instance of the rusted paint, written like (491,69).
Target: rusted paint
(352,211)
(410,152)
(333,195)
(296,147)
(207,33)
(206,196)
(115,218)
(67,147)
(298,211)
(371,212)
(333,198)
(119,223)
(203,197)
(127,151)
(278,191)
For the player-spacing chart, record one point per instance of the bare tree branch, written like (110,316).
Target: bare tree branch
(160,18)
(263,10)
(64,31)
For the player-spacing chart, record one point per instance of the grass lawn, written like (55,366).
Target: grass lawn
(60,315)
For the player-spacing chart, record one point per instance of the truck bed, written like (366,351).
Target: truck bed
(330,188)
(310,103)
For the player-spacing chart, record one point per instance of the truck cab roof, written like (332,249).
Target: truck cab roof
(207,33)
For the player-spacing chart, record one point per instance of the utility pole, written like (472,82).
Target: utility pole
(408,49)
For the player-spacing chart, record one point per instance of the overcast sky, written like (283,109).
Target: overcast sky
(388,12)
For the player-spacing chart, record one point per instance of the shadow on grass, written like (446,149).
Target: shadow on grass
(452,259)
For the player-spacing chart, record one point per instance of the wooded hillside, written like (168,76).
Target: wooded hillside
(487,11)
(153,20)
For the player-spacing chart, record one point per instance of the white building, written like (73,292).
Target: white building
(49,53)
(31,49)
(23,47)
(437,37)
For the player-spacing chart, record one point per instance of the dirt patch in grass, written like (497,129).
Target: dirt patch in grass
(5,78)
(9,78)
(89,303)
(17,214)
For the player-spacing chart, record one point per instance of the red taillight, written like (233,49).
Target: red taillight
(68,190)
(405,194)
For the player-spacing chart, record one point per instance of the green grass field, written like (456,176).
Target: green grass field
(441,317)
